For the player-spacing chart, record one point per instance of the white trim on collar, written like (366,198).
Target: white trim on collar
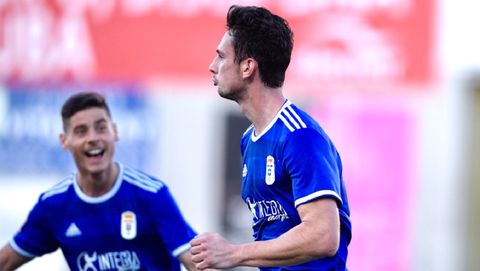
(255,138)
(94,200)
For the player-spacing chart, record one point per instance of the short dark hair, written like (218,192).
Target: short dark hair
(266,37)
(82,101)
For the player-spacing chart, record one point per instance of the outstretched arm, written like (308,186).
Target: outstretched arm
(317,236)
(10,260)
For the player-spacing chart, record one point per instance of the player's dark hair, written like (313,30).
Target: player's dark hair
(82,101)
(263,36)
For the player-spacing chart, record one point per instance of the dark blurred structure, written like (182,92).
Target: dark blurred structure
(473,202)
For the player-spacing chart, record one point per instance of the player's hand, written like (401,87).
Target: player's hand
(211,250)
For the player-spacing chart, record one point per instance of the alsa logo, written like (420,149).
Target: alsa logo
(116,260)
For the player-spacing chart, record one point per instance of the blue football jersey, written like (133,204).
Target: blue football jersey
(290,163)
(137,225)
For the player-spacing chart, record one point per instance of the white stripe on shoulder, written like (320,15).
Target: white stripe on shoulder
(290,118)
(135,182)
(59,188)
(20,250)
(284,116)
(286,123)
(289,108)
(317,194)
(179,250)
(142,180)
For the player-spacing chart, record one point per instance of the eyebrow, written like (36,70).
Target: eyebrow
(100,120)
(81,125)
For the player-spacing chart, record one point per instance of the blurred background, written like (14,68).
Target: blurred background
(396,84)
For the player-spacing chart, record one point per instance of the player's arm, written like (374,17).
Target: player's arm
(10,260)
(186,259)
(317,236)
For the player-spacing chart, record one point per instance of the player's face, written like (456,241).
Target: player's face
(226,73)
(90,137)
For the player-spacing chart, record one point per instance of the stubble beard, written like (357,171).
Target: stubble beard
(236,94)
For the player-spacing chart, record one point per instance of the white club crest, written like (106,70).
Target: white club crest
(270,170)
(129,225)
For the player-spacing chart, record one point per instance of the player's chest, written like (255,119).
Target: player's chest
(112,224)
(262,169)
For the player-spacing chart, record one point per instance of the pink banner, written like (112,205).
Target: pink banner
(377,148)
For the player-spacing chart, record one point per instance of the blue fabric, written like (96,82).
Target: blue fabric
(89,230)
(291,163)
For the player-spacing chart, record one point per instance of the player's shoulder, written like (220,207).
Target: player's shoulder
(299,126)
(291,119)
(58,189)
(140,180)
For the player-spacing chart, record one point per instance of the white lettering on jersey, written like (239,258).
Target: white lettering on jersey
(115,260)
(86,262)
(251,206)
(129,225)
(270,170)
(271,209)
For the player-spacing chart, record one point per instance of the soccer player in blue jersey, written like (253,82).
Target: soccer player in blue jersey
(292,174)
(107,215)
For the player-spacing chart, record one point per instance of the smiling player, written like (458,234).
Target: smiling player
(107,215)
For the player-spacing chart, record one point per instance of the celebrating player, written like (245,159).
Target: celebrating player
(106,216)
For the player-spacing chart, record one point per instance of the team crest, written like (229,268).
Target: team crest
(270,170)
(129,225)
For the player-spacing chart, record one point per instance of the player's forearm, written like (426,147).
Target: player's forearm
(301,244)
(9,259)
(6,265)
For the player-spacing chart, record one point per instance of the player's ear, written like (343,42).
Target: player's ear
(115,131)
(63,140)
(248,67)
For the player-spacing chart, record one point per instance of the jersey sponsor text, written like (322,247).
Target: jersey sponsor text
(115,260)
(271,209)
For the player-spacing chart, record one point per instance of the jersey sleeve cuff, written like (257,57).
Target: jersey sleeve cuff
(318,194)
(179,250)
(20,250)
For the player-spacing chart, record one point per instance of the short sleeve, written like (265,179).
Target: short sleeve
(173,228)
(311,161)
(35,237)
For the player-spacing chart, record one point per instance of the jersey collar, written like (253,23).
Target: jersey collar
(255,138)
(94,200)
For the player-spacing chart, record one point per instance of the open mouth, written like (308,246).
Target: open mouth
(95,153)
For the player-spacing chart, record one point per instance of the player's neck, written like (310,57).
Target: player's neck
(98,184)
(261,107)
